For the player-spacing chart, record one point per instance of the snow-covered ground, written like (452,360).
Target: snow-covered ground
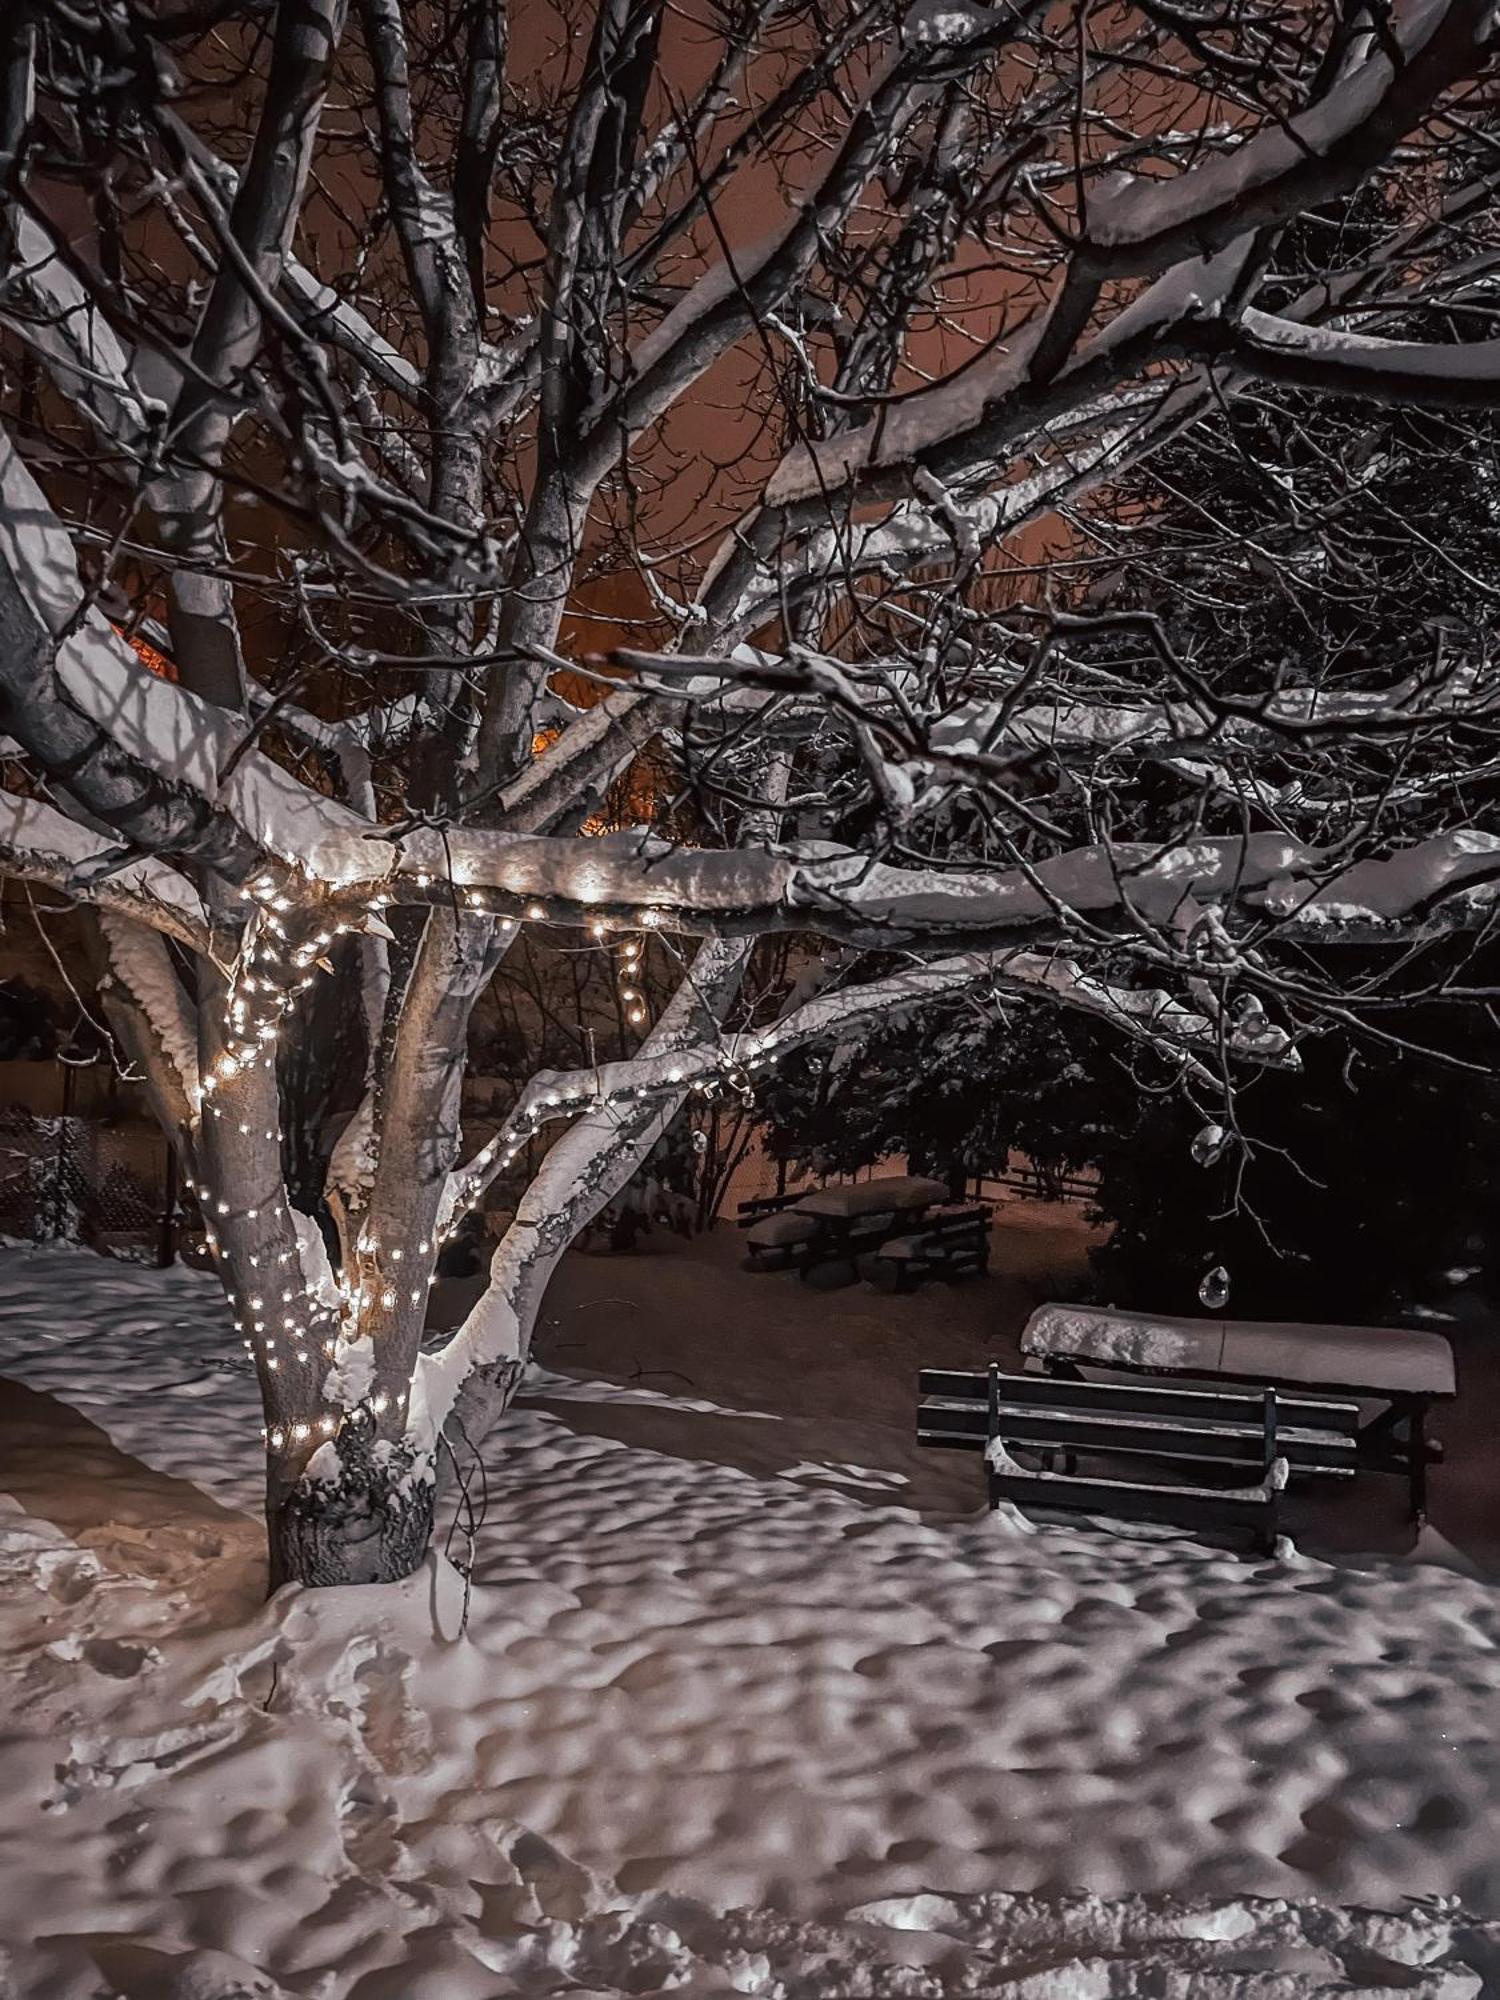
(705,1729)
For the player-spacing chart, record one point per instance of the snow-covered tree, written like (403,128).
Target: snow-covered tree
(1355,545)
(361,367)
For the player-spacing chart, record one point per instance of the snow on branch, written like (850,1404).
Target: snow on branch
(325,315)
(1295,162)
(40,844)
(583,1170)
(637,878)
(1193,234)
(139,961)
(48,307)
(154,730)
(140,752)
(150,756)
(731,1061)
(162,730)
(974,728)
(934,41)
(1449,374)
(964,415)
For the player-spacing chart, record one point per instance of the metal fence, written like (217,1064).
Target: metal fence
(69,1178)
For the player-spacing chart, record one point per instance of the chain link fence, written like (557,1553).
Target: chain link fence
(67,1178)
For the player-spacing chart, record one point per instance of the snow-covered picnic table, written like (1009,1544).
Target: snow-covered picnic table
(1401,1368)
(834,1224)
(888,1194)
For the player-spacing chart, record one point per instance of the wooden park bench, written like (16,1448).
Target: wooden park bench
(949,1243)
(1197,1457)
(1401,1371)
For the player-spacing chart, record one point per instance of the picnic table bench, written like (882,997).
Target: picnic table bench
(948,1243)
(1400,1369)
(1230,1453)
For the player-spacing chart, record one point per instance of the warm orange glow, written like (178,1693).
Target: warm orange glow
(154,662)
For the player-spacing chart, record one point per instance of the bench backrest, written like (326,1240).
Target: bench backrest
(966,1408)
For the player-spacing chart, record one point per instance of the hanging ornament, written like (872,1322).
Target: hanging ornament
(1213,1288)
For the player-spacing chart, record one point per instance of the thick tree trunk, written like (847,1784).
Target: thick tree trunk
(371,1525)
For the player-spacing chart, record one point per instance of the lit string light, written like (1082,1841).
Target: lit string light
(277,963)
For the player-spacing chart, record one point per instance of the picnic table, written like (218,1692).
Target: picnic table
(834,1224)
(1401,1369)
(887,1194)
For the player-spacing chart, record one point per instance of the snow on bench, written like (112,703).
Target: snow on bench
(1402,1368)
(823,1231)
(1377,1360)
(889,1194)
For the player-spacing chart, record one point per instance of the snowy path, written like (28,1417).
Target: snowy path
(685,1691)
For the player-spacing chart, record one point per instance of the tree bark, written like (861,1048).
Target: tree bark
(370,1525)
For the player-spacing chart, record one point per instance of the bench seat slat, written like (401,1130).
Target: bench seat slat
(1303,1455)
(1057,1392)
(1132,1496)
(1015,1417)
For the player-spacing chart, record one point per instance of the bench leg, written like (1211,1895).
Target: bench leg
(1417,1448)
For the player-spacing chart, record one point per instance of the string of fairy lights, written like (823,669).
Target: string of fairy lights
(282,950)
